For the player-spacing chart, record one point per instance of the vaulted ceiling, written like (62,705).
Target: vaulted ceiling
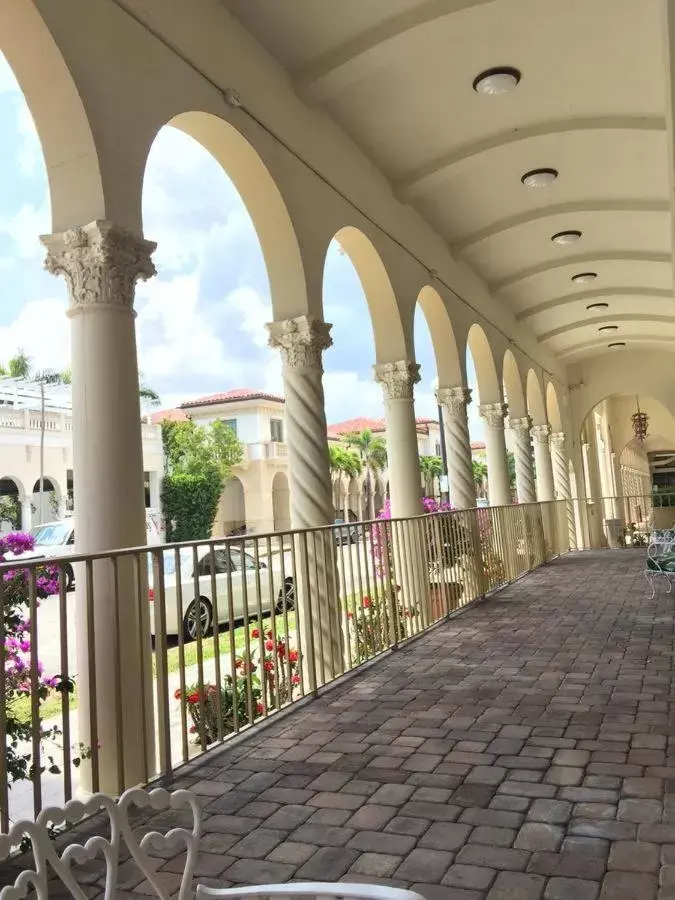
(593,103)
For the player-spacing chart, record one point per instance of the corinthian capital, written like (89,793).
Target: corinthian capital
(101,264)
(541,434)
(493,413)
(301,341)
(522,424)
(398,379)
(454,400)
(558,440)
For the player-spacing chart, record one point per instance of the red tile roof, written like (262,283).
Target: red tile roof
(477,445)
(375,425)
(232,397)
(168,415)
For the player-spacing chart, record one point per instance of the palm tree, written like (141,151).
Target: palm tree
(480,472)
(431,468)
(372,452)
(343,462)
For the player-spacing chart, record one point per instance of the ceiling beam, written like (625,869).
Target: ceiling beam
(602,342)
(597,294)
(604,320)
(429,176)
(581,259)
(340,67)
(560,209)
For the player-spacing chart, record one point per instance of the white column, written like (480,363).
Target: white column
(26,513)
(522,450)
(541,435)
(398,380)
(454,402)
(302,341)
(499,490)
(561,481)
(101,264)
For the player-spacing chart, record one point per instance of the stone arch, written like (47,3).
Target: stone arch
(449,368)
(75,184)
(51,500)
(281,503)
(513,387)
(489,389)
(232,506)
(553,407)
(536,407)
(12,487)
(265,205)
(391,343)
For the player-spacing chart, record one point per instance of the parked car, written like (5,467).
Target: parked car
(244,575)
(54,540)
(348,534)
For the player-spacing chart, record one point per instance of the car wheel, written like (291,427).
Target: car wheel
(190,619)
(286,597)
(69,576)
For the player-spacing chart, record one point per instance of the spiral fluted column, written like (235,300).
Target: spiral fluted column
(499,490)
(101,264)
(398,380)
(302,341)
(522,451)
(561,481)
(541,436)
(454,402)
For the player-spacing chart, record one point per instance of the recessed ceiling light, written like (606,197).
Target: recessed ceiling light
(539,177)
(608,328)
(584,277)
(617,344)
(566,237)
(496,81)
(599,305)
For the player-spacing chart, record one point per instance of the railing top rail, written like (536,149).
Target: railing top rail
(239,540)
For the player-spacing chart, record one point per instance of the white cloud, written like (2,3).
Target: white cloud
(25,227)
(42,330)
(256,312)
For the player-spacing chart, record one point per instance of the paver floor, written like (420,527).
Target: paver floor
(521,751)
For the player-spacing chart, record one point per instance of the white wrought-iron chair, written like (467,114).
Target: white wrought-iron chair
(47,862)
(311,889)
(660,561)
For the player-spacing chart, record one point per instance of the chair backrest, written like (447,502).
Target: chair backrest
(317,890)
(40,836)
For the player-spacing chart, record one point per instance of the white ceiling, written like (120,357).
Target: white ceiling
(593,103)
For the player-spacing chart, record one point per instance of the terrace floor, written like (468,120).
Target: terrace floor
(521,751)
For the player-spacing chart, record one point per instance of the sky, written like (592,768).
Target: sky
(200,323)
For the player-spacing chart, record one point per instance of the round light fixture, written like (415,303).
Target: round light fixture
(539,178)
(566,237)
(617,344)
(584,277)
(599,305)
(496,81)
(608,328)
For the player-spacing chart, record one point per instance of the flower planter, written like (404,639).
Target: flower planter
(441,594)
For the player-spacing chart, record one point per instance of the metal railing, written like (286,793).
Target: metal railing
(624,521)
(241,629)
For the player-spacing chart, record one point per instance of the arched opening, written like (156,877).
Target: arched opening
(281,507)
(513,387)
(45,506)
(535,400)
(521,484)
(11,505)
(232,508)
(553,408)
(490,452)
(487,380)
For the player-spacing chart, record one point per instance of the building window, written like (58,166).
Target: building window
(438,448)
(277,430)
(232,424)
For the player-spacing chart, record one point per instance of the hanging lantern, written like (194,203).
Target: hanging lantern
(640,423)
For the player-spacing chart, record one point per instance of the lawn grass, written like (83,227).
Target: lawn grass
(49,708)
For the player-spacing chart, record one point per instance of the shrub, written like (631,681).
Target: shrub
(190,503)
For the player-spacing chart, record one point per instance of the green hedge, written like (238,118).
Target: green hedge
(190,504)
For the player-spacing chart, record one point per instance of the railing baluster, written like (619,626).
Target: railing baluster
(65,679)
(177,565)
(119,712)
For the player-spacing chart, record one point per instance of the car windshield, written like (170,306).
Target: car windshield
(51,535)
(170,562)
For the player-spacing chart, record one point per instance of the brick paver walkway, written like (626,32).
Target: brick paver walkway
(521,751)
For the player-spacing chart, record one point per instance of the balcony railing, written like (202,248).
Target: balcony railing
(624,521)
(243,629)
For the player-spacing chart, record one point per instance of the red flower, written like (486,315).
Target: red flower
(366,602)
(350,615)
(255,633)
(269,665)
(269,645)
(293,655)
(178,695)
(408,614)
(193,697)
(238,663)
(260,709)
(193,729)
(295,679)
(281,648)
